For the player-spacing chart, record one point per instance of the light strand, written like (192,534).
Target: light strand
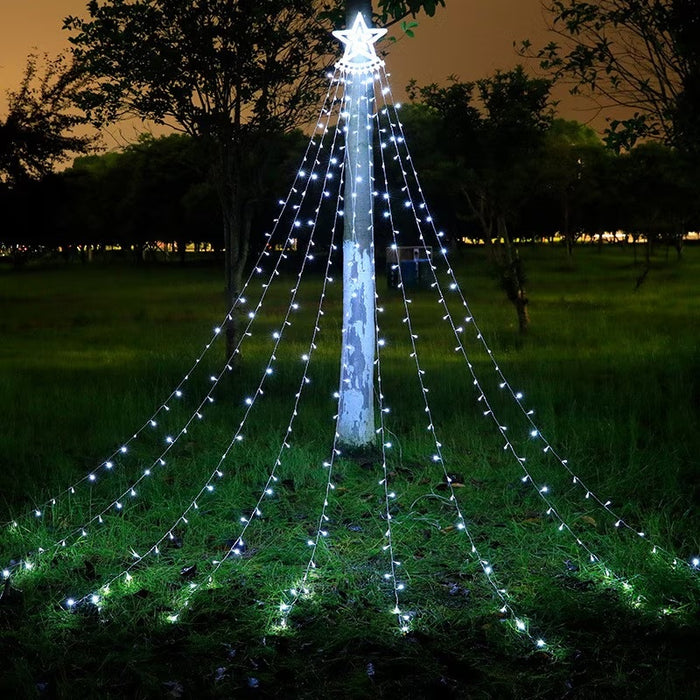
(403,618)
(208,486)
(534,430)
(130,492)
(520,624)
(239,545)
(108,464)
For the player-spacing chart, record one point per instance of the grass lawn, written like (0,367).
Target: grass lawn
(89,353)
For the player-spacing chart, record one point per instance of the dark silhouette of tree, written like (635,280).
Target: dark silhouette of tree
(388,12)
(657,195)
(228,72)
(496,130)
(157,190)
(38,131)
(569,169)
(630,54)
(685,20)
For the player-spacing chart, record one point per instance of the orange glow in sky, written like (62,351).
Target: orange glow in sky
(468,38)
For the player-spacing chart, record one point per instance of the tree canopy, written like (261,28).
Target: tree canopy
(496,128)
(38,131)
(227,72)
(636,55)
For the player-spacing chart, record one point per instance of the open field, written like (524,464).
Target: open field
(88,353)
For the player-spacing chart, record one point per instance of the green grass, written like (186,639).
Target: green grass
(88,352)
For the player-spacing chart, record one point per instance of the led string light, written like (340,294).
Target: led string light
(322,532)
(130,492)
(250,402)
(302,588)
(403,618)
(390,576)
(268,490)
(519,623)
(517,396)
(541,490)
(107,465)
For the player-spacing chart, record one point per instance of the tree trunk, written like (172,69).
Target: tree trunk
(227,177)
(678,244)
(356,405)
(568,236)
(513,277)
(232,232)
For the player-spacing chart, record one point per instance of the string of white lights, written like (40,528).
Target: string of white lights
(130,492)
(535,431)
(268,491)
(541,490)
(301,589)
(208,487)
(403,617)
(519,623)
(107,465)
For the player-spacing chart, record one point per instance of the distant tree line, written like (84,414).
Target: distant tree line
(483,179)
(156,190)
(487,178)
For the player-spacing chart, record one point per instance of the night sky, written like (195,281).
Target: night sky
(468,38)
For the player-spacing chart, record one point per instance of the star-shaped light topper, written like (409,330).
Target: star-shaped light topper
(360,54)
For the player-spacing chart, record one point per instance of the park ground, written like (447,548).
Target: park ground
(611,369)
